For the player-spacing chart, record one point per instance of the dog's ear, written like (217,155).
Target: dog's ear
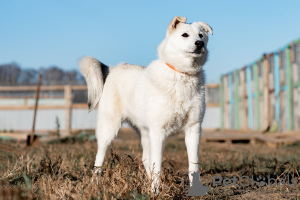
(173,25)
(206,27)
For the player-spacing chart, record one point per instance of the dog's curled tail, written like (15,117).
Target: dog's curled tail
(95,74)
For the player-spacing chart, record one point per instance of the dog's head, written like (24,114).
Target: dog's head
(185,45)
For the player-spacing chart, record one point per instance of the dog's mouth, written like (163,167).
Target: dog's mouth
(199,50)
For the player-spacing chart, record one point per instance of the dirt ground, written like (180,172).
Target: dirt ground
(61,169)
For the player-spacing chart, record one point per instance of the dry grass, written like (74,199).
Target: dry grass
(62,170)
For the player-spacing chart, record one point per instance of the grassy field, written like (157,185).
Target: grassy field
(61,169)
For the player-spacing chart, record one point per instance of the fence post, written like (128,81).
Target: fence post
(249,94)
(277,89)
(266,93)
(282,94)
(221,100)
(257,96)
(68,100)
(289,88)
(35,109)
(226,103)
(237,100)
(244,100)
(295,89)
(231,100)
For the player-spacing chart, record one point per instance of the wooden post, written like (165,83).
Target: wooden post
(221,100)
(226,103)
(207,97)
(244,99)
(289,88)
(237,99)
(231,113)
(266,94)
(277,88)
(272,89)
(249,94)
(68,99)
(295,90)
(282,95)
(35,109)
(257,95)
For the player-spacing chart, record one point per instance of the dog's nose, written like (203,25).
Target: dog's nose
(199,43)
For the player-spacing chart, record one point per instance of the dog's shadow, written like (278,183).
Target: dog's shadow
(197,188)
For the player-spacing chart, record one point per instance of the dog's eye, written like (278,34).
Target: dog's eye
(201,35)
(185,35)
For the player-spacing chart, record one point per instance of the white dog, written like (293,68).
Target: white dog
(164,98)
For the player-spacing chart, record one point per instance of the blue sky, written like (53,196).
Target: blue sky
(44,33)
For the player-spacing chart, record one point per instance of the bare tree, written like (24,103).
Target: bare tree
(12,74)
(52,76)
(28,77)
(9,74)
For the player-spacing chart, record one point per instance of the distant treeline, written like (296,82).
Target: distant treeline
(13,74)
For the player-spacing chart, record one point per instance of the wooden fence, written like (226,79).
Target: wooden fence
(263,96)
(77,111)
(68,106)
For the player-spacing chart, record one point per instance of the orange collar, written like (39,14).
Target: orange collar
(175,69)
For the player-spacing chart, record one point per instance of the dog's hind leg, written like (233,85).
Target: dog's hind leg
(108,126)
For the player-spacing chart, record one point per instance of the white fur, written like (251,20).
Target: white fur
(157,100)
(91,70)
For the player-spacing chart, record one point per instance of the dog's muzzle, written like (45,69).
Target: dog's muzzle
(199,45)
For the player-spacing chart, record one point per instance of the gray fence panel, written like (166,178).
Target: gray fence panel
(16,120)
(212,118)
(81,119)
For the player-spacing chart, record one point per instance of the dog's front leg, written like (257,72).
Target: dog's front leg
(145,140)
(156,148)
(192,141)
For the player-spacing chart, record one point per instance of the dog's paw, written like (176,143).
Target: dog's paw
(96,173)
(156,191)
(97,170)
